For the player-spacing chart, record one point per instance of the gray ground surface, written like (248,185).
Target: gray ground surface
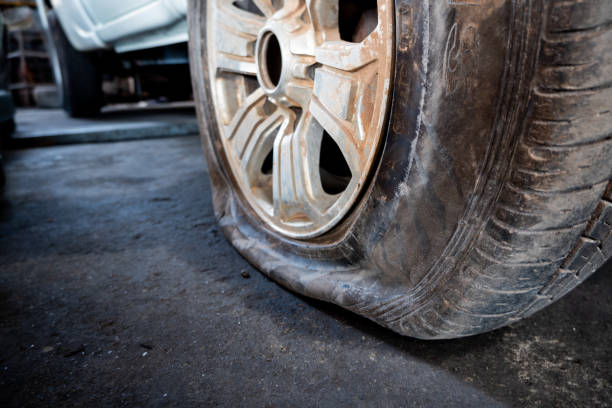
(37,127)
(117,289)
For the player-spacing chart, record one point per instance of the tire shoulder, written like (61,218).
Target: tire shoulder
(552,226)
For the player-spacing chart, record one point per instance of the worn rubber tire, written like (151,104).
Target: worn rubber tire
(492,196)
(81,78)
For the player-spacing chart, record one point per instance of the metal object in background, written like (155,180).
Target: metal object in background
(27,55)
(51,50)
(7,109)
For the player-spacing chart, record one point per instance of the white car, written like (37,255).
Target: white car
(136,38)
(123,25)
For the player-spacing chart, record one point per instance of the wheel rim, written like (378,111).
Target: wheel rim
(300,92)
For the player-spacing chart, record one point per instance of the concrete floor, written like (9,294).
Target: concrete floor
(117,289)
(47,127)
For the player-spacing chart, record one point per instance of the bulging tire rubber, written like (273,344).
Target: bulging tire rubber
(492,196)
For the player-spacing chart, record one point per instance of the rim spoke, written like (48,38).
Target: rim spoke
(300,93)
(283,188)
(261,142)
(297,186)
(348,56)
(239,20)
(350,97)
(306,150)
(236,64)
(266,7)
(337,92)
(247,117)
(324,17)
(235,47)
(342,131)
(290,7)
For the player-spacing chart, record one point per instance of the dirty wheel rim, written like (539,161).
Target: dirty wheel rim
(300,92)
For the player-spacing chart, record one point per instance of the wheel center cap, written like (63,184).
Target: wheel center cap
(279,70)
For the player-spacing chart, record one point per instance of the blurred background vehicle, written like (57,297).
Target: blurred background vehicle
(79,73)
(117,51)
(119,70)
(85,54)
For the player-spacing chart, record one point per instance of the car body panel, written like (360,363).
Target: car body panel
(125,25)
(109,10)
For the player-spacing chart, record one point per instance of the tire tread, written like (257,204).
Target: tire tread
(552,224)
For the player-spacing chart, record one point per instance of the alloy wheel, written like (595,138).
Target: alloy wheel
(300,91)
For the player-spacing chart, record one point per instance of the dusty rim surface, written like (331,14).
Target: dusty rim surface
(118,289)
(300,91)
